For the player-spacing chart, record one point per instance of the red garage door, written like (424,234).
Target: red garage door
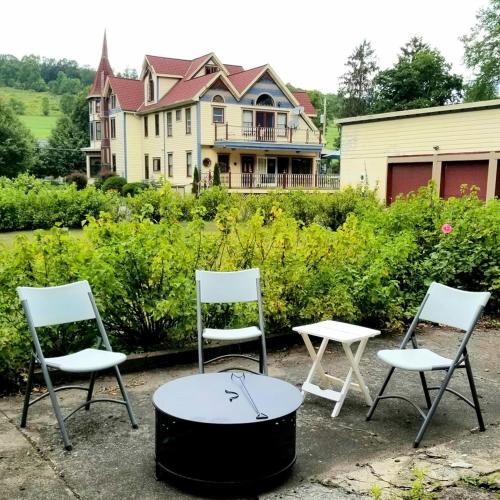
(405,177)
(456,173)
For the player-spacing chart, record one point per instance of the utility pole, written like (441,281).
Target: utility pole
(324,119)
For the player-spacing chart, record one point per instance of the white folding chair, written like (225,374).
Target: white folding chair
(55,306)
(446,306)
(227,288)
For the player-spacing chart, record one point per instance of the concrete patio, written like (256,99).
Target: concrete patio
(337,458)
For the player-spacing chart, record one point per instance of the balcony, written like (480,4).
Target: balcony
(265,181)
(225,133)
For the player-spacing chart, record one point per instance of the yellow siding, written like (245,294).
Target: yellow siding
(153,146)
(135,158)
(117,144)
(178,144)
(166,84)
(365,147)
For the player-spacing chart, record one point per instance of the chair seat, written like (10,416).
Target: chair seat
(87,360)
(414,359)
(250,332)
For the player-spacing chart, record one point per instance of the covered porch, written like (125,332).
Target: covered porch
(260,169)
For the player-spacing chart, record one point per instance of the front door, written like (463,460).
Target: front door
(267,171)
(247,165)
(264,121)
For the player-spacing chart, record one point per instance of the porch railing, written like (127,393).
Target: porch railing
(226,132)
(273,181)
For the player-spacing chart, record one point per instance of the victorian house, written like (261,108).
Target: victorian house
(181,114)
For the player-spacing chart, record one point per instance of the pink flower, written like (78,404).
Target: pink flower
(446,228)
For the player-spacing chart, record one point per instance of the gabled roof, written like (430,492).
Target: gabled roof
(233,68)
(303,98)
(184,90)
(103,71)
(243,79)
(196,64)
(169,65)
(130,92)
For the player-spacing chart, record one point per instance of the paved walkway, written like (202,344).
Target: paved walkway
(342,458)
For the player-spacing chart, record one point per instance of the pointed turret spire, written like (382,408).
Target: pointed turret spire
(103,71)
(104,47)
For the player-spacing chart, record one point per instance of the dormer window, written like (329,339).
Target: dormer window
(112,101)
(151,89)
(218,98)
(265,100)
(210,69)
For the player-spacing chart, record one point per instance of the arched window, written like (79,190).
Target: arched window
(265,100)
(218,98)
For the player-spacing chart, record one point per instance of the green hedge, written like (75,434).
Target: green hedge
(373,270)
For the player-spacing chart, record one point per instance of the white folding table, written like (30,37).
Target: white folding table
(346,334)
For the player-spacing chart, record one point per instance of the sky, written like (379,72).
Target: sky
(307,42)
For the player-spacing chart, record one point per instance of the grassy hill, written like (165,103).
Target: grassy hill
(33,118)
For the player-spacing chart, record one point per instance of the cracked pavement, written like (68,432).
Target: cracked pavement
(341,458)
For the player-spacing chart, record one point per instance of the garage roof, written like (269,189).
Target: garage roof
(410,113)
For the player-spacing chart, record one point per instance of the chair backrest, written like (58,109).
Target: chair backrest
(56,305)
(453,307)
(228,287)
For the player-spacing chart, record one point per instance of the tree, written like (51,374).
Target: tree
(196,182)
(129,73)
(17,145)
(355,90)
(482,53)
(216,181)
(67,103)
(45,106)
(421,78)
(17,106)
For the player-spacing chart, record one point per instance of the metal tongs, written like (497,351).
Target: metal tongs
(241,379)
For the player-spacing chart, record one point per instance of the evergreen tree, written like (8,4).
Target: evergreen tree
(17,145)
(421,78)
(355,90)
(216,181)
(196,182)
(45,106)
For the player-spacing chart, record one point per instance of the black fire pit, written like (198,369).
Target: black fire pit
(225,432)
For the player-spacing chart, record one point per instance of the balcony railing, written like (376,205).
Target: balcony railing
(273,181)
(226,132)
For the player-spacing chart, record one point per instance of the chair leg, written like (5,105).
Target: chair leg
(56,407)
(263,356)
(201,359)
(91,389)
(29,386)
(474,393)
(433,407)
(426,390)
(380,393)
(125,398)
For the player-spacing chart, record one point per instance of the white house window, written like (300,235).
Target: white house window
(218,115)
(91,130)
(112,101)
(265,100)
(170,164)
(112,124)
(188,120)
(151,89)
(189,163)
(210,69)
(218,98)
(156,164)
(281,124)
(247,122)
(97,131)
(98,106)
(169,124)
(157,124)
(178,115)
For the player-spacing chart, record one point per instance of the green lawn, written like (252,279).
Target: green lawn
(332,133)
(8,239)
(33,117)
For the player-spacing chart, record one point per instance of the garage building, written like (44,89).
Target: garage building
(400,151)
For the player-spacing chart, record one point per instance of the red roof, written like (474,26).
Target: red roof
(195,64)
(303,98)
(183,90)
(169,65)
(242,79)
(130,93)
(233,68)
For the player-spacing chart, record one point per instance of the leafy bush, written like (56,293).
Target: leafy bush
(114,183)
(133,188)
(77,178)
(140,260)
(104,174)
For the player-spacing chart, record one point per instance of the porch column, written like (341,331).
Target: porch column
(87,165)
(436,173)
(492,176)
